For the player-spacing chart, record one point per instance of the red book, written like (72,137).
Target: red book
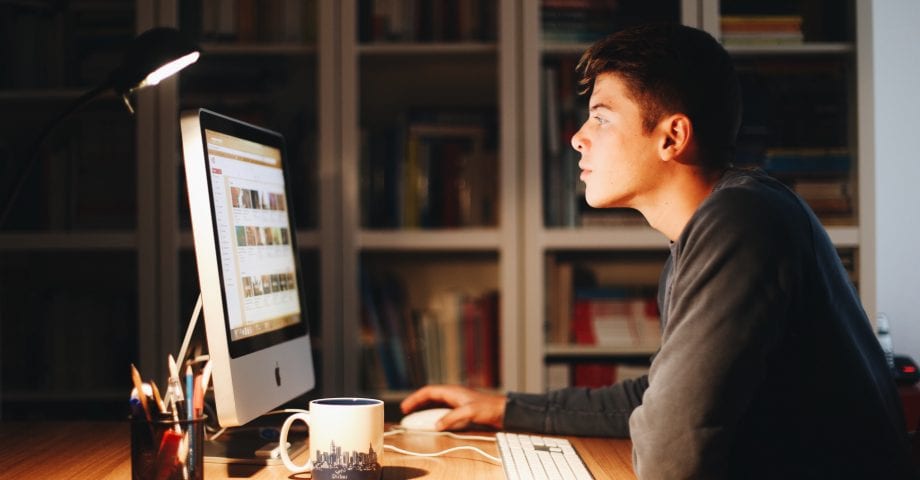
(593,375)
(582,330)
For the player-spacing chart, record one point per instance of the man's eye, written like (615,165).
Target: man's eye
(600,120)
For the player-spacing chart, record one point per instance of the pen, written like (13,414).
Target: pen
(189,405)
(174,391)
(189,391)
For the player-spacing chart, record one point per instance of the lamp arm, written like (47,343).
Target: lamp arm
(35,149)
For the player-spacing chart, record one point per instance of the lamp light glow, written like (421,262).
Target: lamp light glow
(153,56)
(168,70)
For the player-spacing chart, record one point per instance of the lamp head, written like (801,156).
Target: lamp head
(154,55)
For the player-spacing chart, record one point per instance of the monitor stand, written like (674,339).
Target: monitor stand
(248,447)
(240,445)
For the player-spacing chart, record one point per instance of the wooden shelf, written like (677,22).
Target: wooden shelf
(67,241)
(456,239)
(808,48)
(601,238)
(396,48)
(257,49)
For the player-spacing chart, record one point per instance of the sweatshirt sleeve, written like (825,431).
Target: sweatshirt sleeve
(602,412)
(729,292)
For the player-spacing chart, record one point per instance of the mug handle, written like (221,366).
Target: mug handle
(282,443)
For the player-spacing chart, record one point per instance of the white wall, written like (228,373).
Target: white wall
(895,31)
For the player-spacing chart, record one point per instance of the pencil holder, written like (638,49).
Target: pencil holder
(166,449)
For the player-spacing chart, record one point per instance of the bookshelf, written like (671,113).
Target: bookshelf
(69,270)
(429,171)
(489,230)
(266,64)
(804,52)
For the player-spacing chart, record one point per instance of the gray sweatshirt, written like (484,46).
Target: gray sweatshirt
(768,366)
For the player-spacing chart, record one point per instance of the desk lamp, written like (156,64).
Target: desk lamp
(151,57)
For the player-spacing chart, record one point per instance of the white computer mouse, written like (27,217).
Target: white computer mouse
(423,420)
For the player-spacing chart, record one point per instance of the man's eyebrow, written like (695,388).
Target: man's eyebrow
(600,105)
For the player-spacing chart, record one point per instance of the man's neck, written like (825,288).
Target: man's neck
(669,209)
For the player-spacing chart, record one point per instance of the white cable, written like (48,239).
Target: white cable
(442,452)
(398,430)
(288,410)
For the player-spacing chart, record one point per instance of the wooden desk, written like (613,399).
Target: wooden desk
(101,450)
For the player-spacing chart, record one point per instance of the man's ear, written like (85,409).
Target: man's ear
(676,133)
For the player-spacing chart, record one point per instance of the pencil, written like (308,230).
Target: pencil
(157,397)
(139,385)
(206,376)
(197,397)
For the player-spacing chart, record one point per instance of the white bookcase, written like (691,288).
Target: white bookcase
(544,243)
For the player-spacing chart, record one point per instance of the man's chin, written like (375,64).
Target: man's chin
(601,203)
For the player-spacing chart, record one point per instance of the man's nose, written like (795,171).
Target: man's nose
(578,141)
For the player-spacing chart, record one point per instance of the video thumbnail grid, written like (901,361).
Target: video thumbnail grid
(254,286)
(253,236)
(257,200)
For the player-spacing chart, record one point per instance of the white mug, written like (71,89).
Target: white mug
(346,439)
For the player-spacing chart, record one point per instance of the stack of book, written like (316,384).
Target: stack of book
(584,21)
(454,340)
(251,21)
(562,116)
(434,171)
(614,317)
(609,307)
(826,196)
(575,21)
(745,30)
(808,161)
(427,20)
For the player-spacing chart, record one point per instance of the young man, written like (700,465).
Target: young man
(768,366)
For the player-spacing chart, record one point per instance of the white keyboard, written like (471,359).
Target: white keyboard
(535,457)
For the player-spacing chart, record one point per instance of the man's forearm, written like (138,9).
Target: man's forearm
(577,411)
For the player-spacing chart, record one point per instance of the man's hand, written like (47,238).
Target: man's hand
(469,406)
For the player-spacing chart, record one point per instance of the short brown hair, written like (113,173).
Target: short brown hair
(671,68)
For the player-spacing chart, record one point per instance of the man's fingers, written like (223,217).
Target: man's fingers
(456,419)
(427,394)
(413,400)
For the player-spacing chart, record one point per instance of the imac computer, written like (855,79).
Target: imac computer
(245,247)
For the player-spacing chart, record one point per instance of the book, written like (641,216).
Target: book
(594,375)
(558,375)
(808,161)
(445,306)
(559,295)
(426,21)
(462,338)
(379,321)
(481,339)
(614,317)
(431,169)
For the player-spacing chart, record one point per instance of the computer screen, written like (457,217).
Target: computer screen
(246,254)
